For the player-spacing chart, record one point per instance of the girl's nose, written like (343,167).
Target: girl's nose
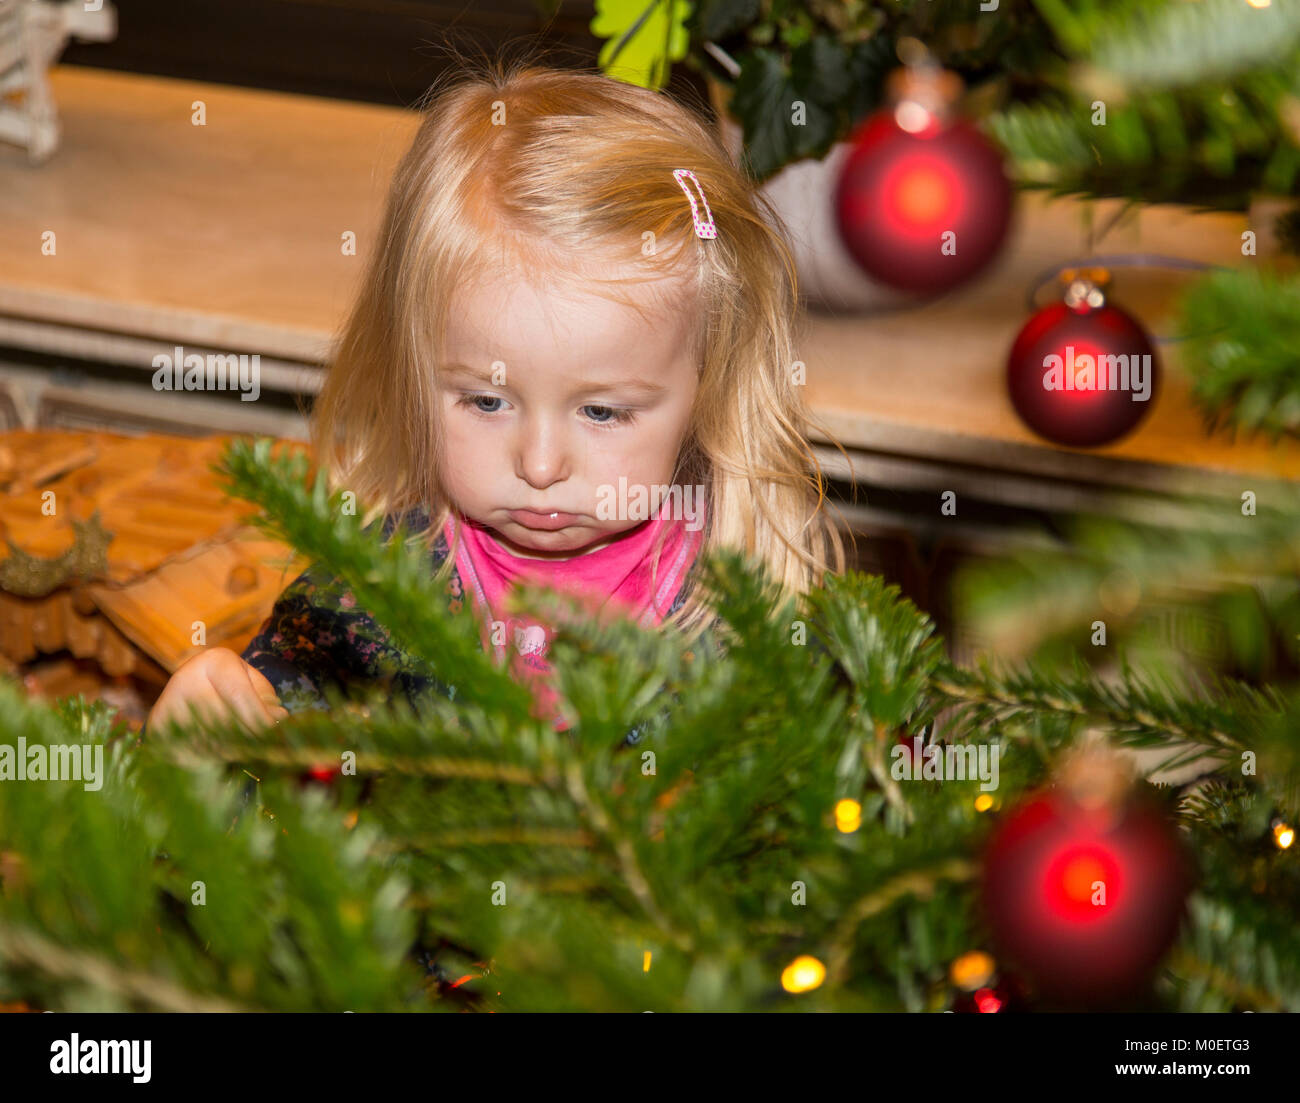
(542,455)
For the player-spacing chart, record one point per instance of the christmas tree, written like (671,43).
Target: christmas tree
(779,838)
(830,813)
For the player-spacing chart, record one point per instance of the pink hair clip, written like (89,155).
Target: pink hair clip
(704,227)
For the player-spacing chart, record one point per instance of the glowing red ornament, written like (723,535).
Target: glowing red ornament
(1082,372)
(1085,898)
(323,774)
(922,202)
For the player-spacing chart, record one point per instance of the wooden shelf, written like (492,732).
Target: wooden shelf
(225,235)
(929,383)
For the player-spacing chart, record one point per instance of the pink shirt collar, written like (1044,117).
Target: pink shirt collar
(618,574)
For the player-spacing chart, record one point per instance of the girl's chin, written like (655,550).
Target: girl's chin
(565,543)
(559,544)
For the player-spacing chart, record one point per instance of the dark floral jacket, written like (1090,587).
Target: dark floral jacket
(317,635)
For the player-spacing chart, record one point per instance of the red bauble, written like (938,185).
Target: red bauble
(900,193)
(323,774)
(1081,375)
(1085,901)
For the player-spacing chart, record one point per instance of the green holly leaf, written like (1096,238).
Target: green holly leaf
(719,19)
(644,38)
(781,122)
(869,63)
(820,69)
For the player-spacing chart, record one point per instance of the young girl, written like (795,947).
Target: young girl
(571,361)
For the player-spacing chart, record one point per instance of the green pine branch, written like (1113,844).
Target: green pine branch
(1115,571)
(1162,102)
(325,529)
(1240,351)
(159,891)
(1230,571)
(566,869)
(1149,46)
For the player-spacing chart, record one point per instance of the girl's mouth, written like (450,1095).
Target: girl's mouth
(546,522)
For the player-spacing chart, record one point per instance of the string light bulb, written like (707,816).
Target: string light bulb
(803,974)
(848,816)
(1283,834)
(972,970)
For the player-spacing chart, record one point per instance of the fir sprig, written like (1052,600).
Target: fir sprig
(1114,570)
(391,579)
(1195,100)
(681,872)
(1241,351)
(91,878)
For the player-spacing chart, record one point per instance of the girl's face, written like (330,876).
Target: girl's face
(550,395)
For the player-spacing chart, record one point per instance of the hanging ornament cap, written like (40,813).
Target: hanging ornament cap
(923,94)
(1096,778)
(1084,287)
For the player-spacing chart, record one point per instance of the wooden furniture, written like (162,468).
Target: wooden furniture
(120,548)
(919,398)
(222,237)
(377,51)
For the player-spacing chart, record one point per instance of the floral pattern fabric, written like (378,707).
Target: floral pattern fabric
(317,636)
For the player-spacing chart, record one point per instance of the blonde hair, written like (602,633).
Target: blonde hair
(581,171)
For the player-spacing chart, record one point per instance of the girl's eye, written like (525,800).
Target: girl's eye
(616,416)
(605,415)
(473,400)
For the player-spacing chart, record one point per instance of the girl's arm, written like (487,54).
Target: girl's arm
(317,637)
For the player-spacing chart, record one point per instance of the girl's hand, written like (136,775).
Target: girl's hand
(218,683)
